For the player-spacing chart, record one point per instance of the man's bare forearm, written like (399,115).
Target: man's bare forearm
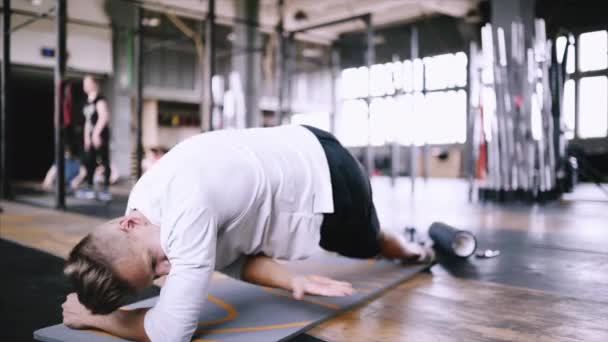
(127,324)
(264,271)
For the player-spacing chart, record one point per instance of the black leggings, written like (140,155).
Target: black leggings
(97,155)
(352,229)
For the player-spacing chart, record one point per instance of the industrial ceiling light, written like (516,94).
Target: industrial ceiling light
(150,21)
(378,39)
(36,2)
(311,52)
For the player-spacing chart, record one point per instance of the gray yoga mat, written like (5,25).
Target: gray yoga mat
(238,311)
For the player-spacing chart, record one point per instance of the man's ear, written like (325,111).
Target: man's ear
(130,221)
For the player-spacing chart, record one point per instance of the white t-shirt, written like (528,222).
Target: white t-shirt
(221,195)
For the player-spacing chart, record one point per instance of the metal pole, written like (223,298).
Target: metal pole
(334,70)
(208,68)
(370,60)
(201,80)
(364,17)
(577,89)
(290,61)
(60,55)
(469,167)
(280,65)
(139,45)
(425,146)
(5,97)
(394,147)
(413,150)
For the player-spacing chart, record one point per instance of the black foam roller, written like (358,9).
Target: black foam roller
(456,242)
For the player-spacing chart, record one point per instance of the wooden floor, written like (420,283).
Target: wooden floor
(549,284)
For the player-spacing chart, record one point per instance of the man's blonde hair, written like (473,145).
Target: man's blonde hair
(90,270)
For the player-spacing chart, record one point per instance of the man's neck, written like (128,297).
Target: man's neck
(152,243)
(92,95)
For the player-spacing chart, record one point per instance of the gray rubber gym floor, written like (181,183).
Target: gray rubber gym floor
(238,311)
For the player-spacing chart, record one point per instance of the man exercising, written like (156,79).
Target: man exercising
(215,199)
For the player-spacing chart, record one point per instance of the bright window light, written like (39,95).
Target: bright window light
(347,80)
(382,120)
(461,63)
(315,119)
(420,134)
(352,124)
(418,76)
(408,76)
(560,45)
(445,71)
(353,83)
(399,111)
(458,117)
(593,107)
(445,117)
(404,125)
(381,80)
(593,50)
(397,75)
(571,62)
(568,108)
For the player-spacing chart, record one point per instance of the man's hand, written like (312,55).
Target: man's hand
(96,140)
(264,271)
(128,324)
(76,315)
(319,286)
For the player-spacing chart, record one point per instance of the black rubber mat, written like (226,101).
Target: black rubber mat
(229,315)
(32,289)
(108,210)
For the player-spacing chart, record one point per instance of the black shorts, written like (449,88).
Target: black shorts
(352,229)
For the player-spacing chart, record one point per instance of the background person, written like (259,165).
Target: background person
(74,174)
(96,138)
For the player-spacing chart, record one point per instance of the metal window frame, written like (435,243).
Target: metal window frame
(577,75)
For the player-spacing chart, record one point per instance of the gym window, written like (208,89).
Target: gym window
(593,107)
(593,54)
(420,101)
(587,72)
